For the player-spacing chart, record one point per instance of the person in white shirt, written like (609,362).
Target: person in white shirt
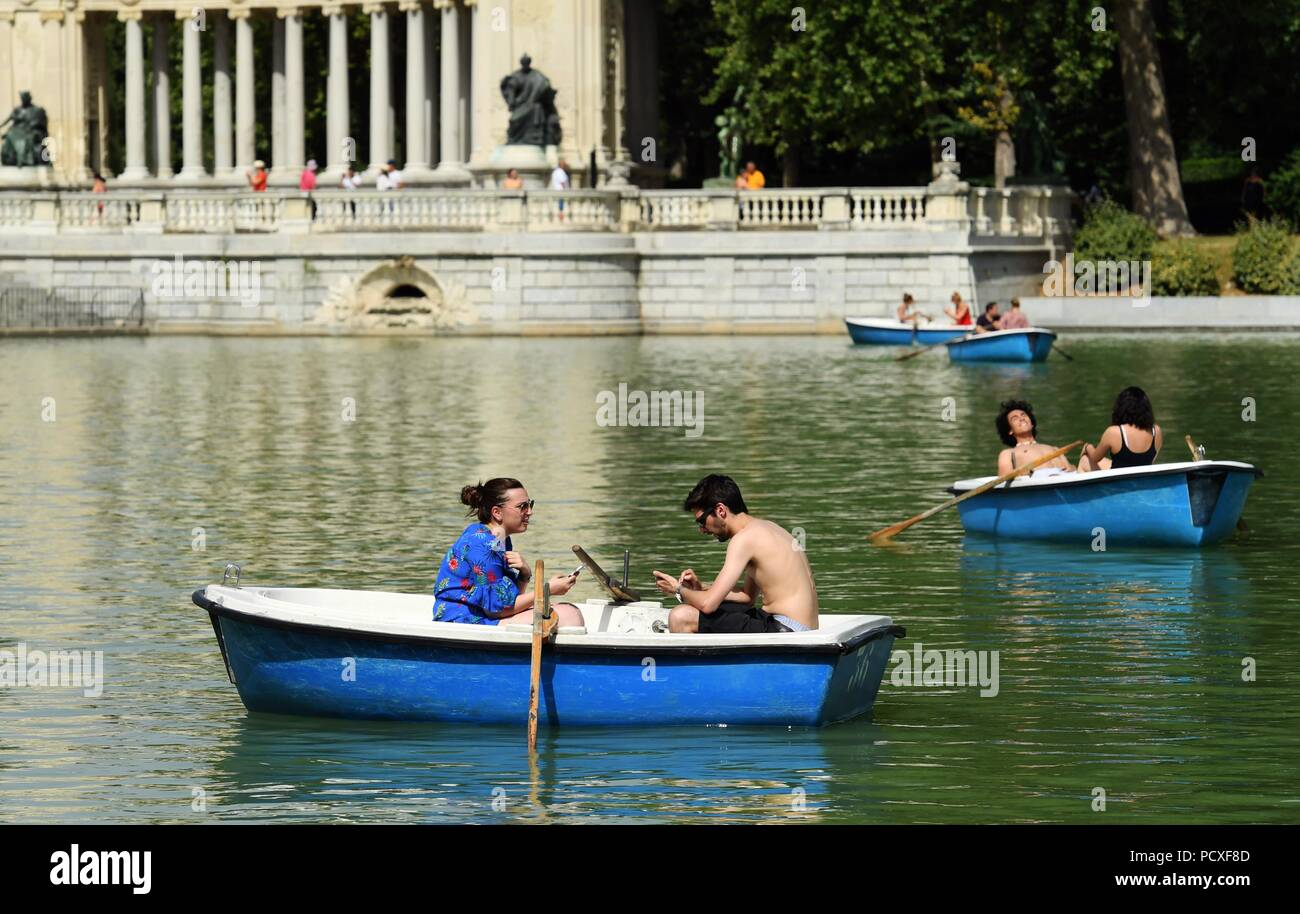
(389,178)
(351,180)
(560,177)
(560,181)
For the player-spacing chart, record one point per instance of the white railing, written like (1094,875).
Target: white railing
(92,212)
(886,207)
(673,209)
(16,211)
(1023,212)
(779,209)
(552,210)
(359,210)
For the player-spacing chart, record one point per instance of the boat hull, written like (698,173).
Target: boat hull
(296,669)
(1188,507)
(1003,346)
(873,332)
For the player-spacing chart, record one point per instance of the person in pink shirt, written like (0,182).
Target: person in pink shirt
(308,179)
(1015,318)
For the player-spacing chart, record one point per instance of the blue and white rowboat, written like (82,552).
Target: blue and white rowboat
(880,331)
(1168,504)
(1033,344)
(372,655)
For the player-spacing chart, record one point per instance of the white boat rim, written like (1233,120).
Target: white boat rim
(407,616)
(1056,480)
(995,334)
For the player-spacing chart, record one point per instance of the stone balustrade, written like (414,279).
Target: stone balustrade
(1023,212)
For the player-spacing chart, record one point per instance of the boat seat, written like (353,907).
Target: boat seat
(563,629)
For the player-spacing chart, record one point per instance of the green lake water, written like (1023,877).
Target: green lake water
(1119,670)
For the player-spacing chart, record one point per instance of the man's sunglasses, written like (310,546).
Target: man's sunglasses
(703,518)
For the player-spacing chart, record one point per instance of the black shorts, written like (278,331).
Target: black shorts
(738,619)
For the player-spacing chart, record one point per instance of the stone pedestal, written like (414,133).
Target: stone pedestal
(30,176)
(532,163)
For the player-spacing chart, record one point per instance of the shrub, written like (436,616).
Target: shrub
(1261,257)
(1293,277)
(1283,190)
(1110,232)
(1182,268)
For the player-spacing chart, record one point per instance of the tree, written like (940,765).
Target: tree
(1154,181)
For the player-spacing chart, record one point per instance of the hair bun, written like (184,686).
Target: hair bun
(472,495)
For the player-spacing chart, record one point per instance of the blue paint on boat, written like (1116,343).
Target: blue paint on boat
(1030,345)
(881,332)
(291,668)
(1184,504)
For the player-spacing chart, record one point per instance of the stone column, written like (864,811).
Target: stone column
(279,146)
(380,151)
(450,168)
(162,114)
(417,157)
(337,105)
(431,25)
(221,123)
(191,100)
(135,167)
(295,91)
(245,104)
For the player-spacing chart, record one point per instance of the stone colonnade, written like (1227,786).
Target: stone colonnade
(437,92)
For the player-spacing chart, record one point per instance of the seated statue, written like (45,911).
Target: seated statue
(23,143)
(531,100)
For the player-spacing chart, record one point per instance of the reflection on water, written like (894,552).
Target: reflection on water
(167,457)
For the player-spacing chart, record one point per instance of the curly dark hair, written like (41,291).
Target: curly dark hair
(1004,426)
(1133,407)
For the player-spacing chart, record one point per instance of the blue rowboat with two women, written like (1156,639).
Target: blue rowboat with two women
(879,331)
(377,656)
(1032,344)
(1194,503)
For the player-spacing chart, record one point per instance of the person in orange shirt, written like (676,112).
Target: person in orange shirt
(753,177)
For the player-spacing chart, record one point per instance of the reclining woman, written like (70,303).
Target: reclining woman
(481,576)
(1131,440)
(1018,430)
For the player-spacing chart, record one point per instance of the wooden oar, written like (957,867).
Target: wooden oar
(882,535)
(915,352)
(543,625)
(1064,354)
(1191,445)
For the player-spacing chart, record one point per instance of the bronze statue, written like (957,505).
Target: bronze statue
(25,139)
(531,100)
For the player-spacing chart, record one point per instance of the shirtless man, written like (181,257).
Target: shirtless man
(1018,429)
(772,561)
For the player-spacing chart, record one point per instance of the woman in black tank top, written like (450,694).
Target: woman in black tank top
(1132,413)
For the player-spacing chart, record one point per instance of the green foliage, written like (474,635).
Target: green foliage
(1261,259)
(1183,268)
(1110,232)
(1283,190)
(1205,169)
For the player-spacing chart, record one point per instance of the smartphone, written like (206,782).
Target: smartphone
(574,572)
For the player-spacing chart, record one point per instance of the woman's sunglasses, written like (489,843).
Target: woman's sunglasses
(526,505)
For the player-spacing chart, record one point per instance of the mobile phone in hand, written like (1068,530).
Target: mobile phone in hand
(574,572)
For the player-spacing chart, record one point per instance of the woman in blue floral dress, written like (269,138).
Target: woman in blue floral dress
(482,580)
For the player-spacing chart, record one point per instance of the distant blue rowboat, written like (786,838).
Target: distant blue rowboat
(1169,504)
(882,332)
(1033,344)
(378,656)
